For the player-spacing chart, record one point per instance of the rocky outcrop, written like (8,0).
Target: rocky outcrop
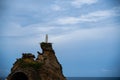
(44,67)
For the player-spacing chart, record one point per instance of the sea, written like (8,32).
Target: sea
(86,78)
(93,78)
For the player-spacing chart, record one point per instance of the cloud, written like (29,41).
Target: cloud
(116,10)
(16,30)
(81,35)
(90,17)
(56,8)
(68,20)
(80,3)
(70,4)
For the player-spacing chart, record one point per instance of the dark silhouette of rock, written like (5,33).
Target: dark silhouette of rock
(45,67)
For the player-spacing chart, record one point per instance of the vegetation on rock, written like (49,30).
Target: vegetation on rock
(27,64)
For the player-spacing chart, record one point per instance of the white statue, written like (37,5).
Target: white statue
(46,39)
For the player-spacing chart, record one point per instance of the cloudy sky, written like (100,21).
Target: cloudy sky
(84,33)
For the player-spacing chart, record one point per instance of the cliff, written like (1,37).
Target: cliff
(44,67)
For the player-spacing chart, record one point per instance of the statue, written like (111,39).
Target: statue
(46,39)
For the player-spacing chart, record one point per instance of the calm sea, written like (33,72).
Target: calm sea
(93,78)
(88,78)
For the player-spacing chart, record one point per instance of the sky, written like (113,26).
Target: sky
(84,33)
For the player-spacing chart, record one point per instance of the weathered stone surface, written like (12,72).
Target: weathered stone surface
(45,67)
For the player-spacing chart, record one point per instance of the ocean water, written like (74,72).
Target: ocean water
(87,78)
(93,78)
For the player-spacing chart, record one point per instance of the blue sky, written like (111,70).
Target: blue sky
(84,33)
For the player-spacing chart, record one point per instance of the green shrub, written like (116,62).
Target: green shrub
(35,65)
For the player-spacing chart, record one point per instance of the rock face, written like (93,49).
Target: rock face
(45,67)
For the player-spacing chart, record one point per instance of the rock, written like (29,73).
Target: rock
(44,67)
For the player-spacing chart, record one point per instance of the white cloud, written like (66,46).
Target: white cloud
(57,34)
(16,30)
(65,37)
(81,35)
(80,3)
(90,17)
(13,29)
(56,8)
(96,16)
(68,20)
